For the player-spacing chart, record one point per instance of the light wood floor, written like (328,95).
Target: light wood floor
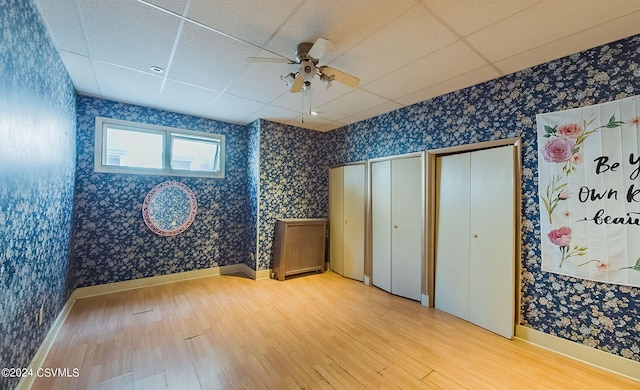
(313,332)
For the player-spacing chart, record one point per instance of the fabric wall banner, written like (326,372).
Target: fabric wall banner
(589,191)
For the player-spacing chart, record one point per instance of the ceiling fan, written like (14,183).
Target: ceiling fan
(307,57)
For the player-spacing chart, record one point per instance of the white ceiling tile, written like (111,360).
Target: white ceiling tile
(249,20)
(61,18)
(176,6)
(261,80)
(307,121)
(344,23)
(371,112)
(466,80)
(185,98)
(118,83)
(318,96)
(608,32)
(275,114)
(232,109)
(357,100)
(546,22)
(329,126)
(450,62)
(467,16)
(128,33)
(383,52)
(81,72)
(208,59)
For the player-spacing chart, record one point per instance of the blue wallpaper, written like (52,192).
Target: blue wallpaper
(37,166)
(294,179)
(111,243)
(253,160)
(599,315)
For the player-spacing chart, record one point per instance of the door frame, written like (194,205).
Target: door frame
(431,197)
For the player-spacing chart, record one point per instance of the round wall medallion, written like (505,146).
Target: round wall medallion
(169,208)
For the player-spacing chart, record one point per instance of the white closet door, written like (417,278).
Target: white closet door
(381,224)
(492,285)
(354,210)
(452,237)
(406,233)
(475,246)
(336,220)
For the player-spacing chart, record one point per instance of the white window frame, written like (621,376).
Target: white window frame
(100,155)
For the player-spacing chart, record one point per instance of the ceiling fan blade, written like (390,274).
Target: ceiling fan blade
(338,75)
(319,48)
(297,85)
(267,59)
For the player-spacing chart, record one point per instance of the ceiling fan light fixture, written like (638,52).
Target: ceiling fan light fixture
(288,79)
(326,80)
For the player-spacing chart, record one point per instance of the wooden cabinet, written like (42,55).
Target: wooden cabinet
(298,246)
(397,209)
(347,206)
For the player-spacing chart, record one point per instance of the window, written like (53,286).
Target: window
(138,148)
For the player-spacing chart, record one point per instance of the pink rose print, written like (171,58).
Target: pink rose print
(571,130)
(558,150)
(577,158)
(601,266)
(560,236)
(564,195)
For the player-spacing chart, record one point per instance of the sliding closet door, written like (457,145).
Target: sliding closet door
(406,233)
(381,224)
(452,237)
(336,218)
(354,221)
(475,239)
(492,245)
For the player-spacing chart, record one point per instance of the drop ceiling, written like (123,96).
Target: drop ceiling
(403,51)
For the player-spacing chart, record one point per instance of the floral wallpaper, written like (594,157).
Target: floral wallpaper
(37,167)
(294,180)
(111,242)
(253,161)
(599,315)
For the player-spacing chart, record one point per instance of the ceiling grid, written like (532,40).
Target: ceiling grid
(403,51)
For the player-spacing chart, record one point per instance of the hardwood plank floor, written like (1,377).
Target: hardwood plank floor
(313,332)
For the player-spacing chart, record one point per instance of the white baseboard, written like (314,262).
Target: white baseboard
(425,300)
(90,291)
(256,275)
(264,274)
(38,360)
(367,280)
(607,361)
